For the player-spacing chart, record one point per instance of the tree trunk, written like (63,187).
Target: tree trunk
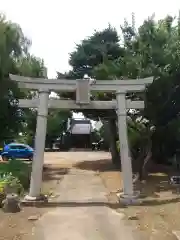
(144,170)
(111,133)
(142,163)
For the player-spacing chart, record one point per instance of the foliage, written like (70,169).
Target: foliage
(8,183)
(17,169)
(151,50)
(56,125)
(15,59)
(91,51)
(89,54)
(12,45)
(138,136)
(29,127)
(154,50)
(33,67)
(30,65)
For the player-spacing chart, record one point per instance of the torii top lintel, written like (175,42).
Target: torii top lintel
(134,85)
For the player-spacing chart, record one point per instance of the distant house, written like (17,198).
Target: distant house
(80,126)
(80,133)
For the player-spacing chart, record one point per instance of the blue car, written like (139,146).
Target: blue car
(18,151)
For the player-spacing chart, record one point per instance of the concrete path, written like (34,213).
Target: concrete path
(82,213)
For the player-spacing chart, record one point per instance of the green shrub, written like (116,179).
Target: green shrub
(9,183)
(17,169)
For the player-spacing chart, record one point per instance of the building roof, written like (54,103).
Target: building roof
(80,126)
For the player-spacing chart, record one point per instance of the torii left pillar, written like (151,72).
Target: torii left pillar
(38,159)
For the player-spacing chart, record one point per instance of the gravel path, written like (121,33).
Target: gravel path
(82,213)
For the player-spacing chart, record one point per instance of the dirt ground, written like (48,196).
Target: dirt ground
(19,226)
(155,218)
(158,214)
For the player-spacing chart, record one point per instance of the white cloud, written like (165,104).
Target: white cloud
(55,26)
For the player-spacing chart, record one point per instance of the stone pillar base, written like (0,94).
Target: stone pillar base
(129,199)
(35,199)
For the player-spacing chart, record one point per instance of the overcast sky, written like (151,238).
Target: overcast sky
(55,26)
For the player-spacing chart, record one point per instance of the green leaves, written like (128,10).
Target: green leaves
(93,51)
(15,59)
(151,50)
(15,172)
(56,125)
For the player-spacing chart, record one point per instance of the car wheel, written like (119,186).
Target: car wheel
(5,158)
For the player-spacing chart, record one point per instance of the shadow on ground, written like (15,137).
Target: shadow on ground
(96,165)
(157,184)
(156,190)
(155,202)
(54,204)
(68,204)
(53,173)
(158,179)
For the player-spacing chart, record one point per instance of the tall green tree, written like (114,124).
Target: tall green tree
(154,50)
(91,53)
(33,67)
(13,44)
(151,50)
(16,59)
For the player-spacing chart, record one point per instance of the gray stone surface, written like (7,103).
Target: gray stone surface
(177,234)
(82,213)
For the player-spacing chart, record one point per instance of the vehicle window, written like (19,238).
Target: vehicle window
(13,147)
(21,147)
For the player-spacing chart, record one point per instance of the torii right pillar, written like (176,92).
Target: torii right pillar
(128,196)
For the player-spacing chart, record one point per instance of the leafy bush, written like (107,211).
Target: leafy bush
(17,169)
(9,183)
(138,137)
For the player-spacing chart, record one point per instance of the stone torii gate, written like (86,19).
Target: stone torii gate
(83,88)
